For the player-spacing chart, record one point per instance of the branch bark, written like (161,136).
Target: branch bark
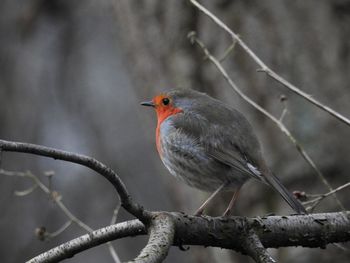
(95,238)
(314,230)
(237,233)
(160,240)
(255,249)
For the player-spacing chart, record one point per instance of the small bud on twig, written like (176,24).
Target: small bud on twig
(300,195)
(40,233)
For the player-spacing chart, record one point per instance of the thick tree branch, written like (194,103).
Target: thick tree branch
(315,230)
(127,202)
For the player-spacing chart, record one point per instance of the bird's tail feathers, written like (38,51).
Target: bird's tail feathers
(287,196)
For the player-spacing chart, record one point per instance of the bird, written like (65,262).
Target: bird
(210,146)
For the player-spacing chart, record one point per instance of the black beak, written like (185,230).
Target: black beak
(148,103)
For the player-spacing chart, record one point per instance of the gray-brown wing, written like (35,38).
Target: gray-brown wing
(226,137)
(232,156)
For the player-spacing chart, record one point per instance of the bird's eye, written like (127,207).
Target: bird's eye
(165,101)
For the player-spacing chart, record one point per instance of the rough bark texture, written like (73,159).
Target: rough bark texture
(64,251)
(249,236)
(273,231)
(161,236)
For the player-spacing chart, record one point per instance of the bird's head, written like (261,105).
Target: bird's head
(178,101)
(165,105)
(188,101)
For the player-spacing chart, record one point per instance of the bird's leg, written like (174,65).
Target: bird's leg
(232,202)
(204,205)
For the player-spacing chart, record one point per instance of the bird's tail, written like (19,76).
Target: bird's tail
(273,181)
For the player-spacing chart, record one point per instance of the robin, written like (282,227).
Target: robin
(210,146)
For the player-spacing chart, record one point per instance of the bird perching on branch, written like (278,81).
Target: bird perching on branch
(210,146)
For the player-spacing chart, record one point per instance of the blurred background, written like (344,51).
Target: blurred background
(72,74)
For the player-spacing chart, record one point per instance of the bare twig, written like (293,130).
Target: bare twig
(110,245)
(43,235)
(60,230)
(228,51)
(56,197)
(115,214)
(264,68)
(27,191)
(126,201)
(283,99)
(58,200)
(49,175)
(318,198)
(283,128)
(113,252)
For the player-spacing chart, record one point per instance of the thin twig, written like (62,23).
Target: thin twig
(109,243)
(264,68)
(318,198)
(58,200)
(283,114)
(60,230)
(283,99)
(27,191)
(115,214)
(279,124)
(113,252)
(56,197)
(228,51)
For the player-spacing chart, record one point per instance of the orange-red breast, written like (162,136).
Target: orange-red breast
(210,146)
